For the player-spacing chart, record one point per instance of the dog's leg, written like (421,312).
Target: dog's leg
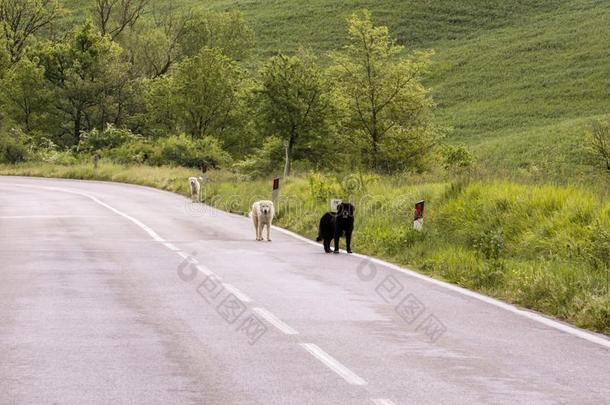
(269,231)
(348,240)
(327,245)
(259,230)
(337,237)
(255,222)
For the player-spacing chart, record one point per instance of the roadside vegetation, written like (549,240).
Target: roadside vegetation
(494,113)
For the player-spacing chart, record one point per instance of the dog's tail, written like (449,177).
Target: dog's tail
(319,237)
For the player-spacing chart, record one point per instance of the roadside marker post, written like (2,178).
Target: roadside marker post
(334,203)
(276,190)
(204,172)
(418,216)
(96,160)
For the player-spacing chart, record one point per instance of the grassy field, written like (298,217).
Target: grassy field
(545,248)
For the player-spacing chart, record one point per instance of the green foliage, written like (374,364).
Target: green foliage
(89,78)
(226,31)
(294,103)
(598,140)
(265,160)
(26,94)
(12,148)
(202,95)
(134,152)
(323,188)
(389,108)
(20,20)
(110,138)
(456,157)
(182,150)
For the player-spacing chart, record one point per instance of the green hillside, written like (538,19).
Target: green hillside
(517,81)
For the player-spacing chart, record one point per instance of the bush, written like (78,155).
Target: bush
(456,156)
(182,150)
(268,159)
(110,138)
(323,188)
(12,150)
(137,152)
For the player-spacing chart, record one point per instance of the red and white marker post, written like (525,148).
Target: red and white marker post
(418,216)
(276,190)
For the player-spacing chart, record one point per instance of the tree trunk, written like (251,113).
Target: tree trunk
(288,162)
(375,151)
(77,125)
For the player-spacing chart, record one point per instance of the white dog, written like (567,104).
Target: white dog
(195,189)
(262,214)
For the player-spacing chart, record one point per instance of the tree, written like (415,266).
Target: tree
(113,16)
(21,19)
(599,141)
(389,109)
(227,31)
(292,101)
(26,94)
(205,92)
(88,73)
(154,45)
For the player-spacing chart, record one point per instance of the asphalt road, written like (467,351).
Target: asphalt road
(112,293)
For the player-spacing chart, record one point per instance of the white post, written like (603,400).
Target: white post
(334,203)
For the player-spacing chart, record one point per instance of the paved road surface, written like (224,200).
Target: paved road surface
(99,305)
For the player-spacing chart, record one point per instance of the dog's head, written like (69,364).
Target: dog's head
(266,207)
(345,210)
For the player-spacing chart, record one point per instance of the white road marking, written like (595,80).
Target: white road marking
(237,293)
(347,374)
(275,321)
(184,255)
(206,271)
(382,401)
(171,246)
(572,330)
(45,216)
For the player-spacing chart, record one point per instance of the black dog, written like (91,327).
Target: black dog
(335,225)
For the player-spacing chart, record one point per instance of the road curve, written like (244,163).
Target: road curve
(111,293)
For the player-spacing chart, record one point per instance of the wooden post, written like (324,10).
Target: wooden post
(96,160)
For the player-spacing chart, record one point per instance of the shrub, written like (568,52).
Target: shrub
(110,138)
(12,150)
(182,150)
(599,142)
(456,156)
(137,152)
(323,188)
(269,158)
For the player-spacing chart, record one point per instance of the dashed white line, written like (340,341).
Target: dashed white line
(237,293)
(275,321)
(347,374)
(45,216)
(382,401)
